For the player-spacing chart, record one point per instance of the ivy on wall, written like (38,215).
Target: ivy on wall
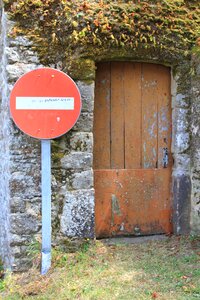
(60,28)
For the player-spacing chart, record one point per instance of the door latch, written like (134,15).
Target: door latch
(165,158)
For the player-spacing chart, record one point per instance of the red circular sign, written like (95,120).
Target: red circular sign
(45,103)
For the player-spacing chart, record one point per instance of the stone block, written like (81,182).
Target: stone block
(174,80)
(29,56)
(18,239)
(181,164)
(78,214)
(181,204)
(24,185)
(195,220)
(33,209)
(12,55)
(179,100)
(180,119)
(18,69)
(21,264)
(17,204)
(180,134)
(16,251)
(85,123)
(82,141)
(87,95)
(195,129)
(23,224)
(181,142)
(196,159)
(82,180)
(77,160)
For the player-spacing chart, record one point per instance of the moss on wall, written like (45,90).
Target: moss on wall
(69,31)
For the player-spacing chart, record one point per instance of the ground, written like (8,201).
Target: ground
(165,268)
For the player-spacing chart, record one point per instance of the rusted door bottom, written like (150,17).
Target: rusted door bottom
(132,202)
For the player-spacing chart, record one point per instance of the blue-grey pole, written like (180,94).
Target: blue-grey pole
(46,205)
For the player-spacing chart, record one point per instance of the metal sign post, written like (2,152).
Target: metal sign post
(46,205)
(45,104)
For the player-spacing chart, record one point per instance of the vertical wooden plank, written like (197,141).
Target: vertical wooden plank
(132,107)
(103,208)
(102,117)
(149,116)
(117,115)
(164,114)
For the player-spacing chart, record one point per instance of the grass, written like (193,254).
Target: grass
(167,269)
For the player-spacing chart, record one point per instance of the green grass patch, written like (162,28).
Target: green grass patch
(167,269)
(2,282)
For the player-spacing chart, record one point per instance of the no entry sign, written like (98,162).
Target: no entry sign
(45,103)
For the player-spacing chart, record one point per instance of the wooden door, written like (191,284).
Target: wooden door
(132,141)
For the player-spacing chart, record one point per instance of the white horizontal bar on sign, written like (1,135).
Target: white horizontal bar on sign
(41,103)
